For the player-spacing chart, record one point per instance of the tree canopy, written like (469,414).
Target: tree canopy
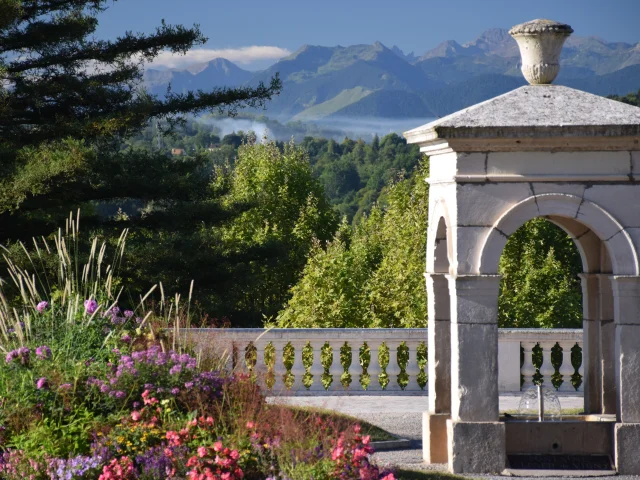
(371,274)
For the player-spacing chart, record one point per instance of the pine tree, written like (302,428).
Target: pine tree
(68,100)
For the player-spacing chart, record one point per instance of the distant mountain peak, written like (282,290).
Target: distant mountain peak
(495,41)
(409,57)
(448,48)
(219,63)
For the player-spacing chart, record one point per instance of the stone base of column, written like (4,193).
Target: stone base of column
(476,447)
(627,440)
(434,437)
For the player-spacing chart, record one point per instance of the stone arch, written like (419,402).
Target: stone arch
(571,213)
(439,240)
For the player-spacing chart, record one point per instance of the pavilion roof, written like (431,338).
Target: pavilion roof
(535,111)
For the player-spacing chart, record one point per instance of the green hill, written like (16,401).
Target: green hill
(324,109)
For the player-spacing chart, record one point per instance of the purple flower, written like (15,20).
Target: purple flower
(175,370)
(175,391)
(43,352)
(126,338)
(21,353)
(75,467)
(90,306)
(42,306)
(128,313)
(42,383)
(12,355)
(188,385)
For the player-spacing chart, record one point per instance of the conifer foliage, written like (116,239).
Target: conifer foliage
(67,100)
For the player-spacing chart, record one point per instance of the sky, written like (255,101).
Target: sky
(255,34)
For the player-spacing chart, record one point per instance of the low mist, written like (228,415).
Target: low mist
(337,128)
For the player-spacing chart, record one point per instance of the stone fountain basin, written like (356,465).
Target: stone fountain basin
(573,435)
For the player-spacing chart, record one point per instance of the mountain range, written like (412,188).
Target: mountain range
(321,83)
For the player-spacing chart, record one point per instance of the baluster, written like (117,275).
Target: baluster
(546,369)
(581,369)
(412,368)
(316,367)
(566,369)
(261,369)
(374,366)
(241,362)
(355,369)
(278,367)
(335,369)
(528,370)
(393,369)
(298,369)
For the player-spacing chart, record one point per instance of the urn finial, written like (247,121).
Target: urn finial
(540,43)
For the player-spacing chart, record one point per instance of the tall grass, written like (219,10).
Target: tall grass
(65,271)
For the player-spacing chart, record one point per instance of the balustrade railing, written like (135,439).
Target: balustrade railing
(383,361)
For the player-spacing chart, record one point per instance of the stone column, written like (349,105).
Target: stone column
(591,357)
(607,345)
(434,426)
(626,297)
(476,437)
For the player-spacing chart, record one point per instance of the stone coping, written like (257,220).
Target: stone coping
(253,334)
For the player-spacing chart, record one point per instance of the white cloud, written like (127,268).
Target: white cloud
(241,56)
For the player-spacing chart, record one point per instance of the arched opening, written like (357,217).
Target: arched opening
(540,285)
(441,251)
(604,249)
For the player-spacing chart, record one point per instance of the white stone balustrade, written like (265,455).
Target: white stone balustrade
(512,345)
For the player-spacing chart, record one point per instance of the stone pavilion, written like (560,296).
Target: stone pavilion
(547,151)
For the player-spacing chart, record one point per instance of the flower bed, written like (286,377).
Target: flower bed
(90,391)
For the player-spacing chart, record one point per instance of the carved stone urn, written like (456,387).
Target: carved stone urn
(540,43)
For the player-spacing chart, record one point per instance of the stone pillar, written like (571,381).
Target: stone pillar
(607,345)
(598,352)
(626,297)
(434,426)
(476,437)
(591,343)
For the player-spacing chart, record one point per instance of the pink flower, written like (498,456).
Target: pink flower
(136,415)
(234,454)
(42,306)
(43,352)
(65,386)
(202,452)
(42,383)
(250,425)
(217,446)
(337,453)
